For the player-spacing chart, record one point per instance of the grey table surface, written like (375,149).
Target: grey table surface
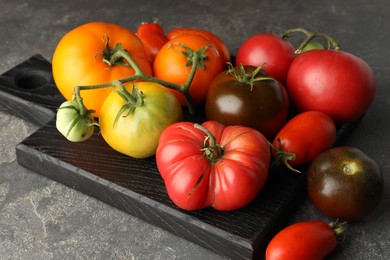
(43,219)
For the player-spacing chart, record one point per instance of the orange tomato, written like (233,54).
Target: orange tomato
(218,43)
(77,60)
(171,65)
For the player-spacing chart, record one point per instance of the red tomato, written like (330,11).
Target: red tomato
(308,240)
(306,135)
(275,53)
(218,43)
(224,169)
(172,64)
(152,37)
(335,82)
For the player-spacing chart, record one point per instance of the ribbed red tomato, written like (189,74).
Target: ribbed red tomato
(212,165)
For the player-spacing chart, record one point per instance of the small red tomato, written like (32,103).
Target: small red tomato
(275,53)
(152,37)
(306,135)
(308,240)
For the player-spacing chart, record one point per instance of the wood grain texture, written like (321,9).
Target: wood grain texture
(134,185)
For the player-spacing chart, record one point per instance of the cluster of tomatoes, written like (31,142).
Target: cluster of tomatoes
(272,103)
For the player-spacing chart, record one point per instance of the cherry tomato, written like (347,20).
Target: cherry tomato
(306,136)
(334,82)
(344,183)
(212,165)
(307,240)
(173,64)
(152,36)
(275,53)
(137,131)
(72,125)
(245,96)
(78,60)
(217,42)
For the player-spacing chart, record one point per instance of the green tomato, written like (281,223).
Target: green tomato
(71,124)
(135,130)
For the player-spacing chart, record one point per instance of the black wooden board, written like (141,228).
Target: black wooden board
(134,185)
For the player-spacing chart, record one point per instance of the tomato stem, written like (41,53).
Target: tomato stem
(243,77)
(114,57)
(309,37)
(339,229)
(212,150)
(282,157)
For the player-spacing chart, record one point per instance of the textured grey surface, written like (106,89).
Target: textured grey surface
(42,219)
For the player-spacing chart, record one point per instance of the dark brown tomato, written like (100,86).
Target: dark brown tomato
(251,100)
(344,183)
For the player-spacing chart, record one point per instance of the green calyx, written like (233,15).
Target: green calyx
(282,157)
(113,56)
(199,57)
(339,229)
(211,150)
(132,101)
(250,79)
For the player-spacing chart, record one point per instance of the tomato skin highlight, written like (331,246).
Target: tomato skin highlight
(137,133)
(344,183)
(263,106)
(308,240)
(275,53)
(230,182)
(77,62)
(306,135)
(171,65)
(334,82)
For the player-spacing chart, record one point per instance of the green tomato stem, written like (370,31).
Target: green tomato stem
(282,157)
(212,150)
(339,229)
(309,37)
(118,53)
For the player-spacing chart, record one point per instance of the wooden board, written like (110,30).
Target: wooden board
(134,185)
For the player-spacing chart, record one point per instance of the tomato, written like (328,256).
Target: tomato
(344,183)
(335,82)
(307,240)
(174,66)
(78,60)
(71,124)
(275,53)
(137,130)
(306,135)
(217,42)
(245,96)
(212,165)
(152,36)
